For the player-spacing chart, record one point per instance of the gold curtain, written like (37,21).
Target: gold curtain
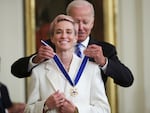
(30,33)
(110,36)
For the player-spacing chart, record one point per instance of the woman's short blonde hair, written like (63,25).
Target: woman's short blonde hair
(60,18)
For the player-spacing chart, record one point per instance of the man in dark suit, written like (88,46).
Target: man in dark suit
(6,103)
(104,54)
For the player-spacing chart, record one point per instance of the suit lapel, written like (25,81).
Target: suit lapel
(53,75)
(92,41)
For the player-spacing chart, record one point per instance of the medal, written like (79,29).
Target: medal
(73,92)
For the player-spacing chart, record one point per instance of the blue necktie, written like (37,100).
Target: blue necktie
(78,50)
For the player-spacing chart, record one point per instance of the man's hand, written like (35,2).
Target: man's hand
(44,52)
(96,52)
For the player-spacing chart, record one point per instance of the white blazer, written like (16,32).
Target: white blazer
(47,78)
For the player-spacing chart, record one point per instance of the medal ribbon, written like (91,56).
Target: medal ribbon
(61,67)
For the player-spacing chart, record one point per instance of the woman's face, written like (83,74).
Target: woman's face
(64,36)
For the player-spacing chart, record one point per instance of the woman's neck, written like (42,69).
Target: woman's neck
(66,58)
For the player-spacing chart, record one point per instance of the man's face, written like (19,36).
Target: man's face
(84,17)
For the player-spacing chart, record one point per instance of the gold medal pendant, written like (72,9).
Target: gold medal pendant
(73,92)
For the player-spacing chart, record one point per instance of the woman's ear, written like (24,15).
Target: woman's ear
(52,40)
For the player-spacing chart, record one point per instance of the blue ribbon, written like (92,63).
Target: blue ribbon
(61,67)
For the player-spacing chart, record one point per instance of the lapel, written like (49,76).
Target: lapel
(53,75)
(91,41)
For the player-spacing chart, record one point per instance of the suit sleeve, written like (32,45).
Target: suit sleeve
(34,105)
(98,100)
(20,67)
(5,96)
(120,73)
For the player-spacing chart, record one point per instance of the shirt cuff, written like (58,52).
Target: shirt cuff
(105,66)
(6,111)
(31,64)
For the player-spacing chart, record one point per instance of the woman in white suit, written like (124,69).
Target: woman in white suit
(56,84)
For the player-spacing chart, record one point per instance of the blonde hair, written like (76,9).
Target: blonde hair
(60,18)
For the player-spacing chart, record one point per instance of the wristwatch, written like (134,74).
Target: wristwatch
(45,108)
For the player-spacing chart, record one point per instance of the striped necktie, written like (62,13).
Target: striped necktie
(78,50)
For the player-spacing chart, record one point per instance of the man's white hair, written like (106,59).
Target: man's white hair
(79,3)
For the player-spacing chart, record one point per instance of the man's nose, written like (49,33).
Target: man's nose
(80,26)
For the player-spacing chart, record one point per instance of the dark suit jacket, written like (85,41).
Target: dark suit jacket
(5,101)
(115,69)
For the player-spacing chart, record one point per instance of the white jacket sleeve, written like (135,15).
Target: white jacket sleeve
(33,104)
